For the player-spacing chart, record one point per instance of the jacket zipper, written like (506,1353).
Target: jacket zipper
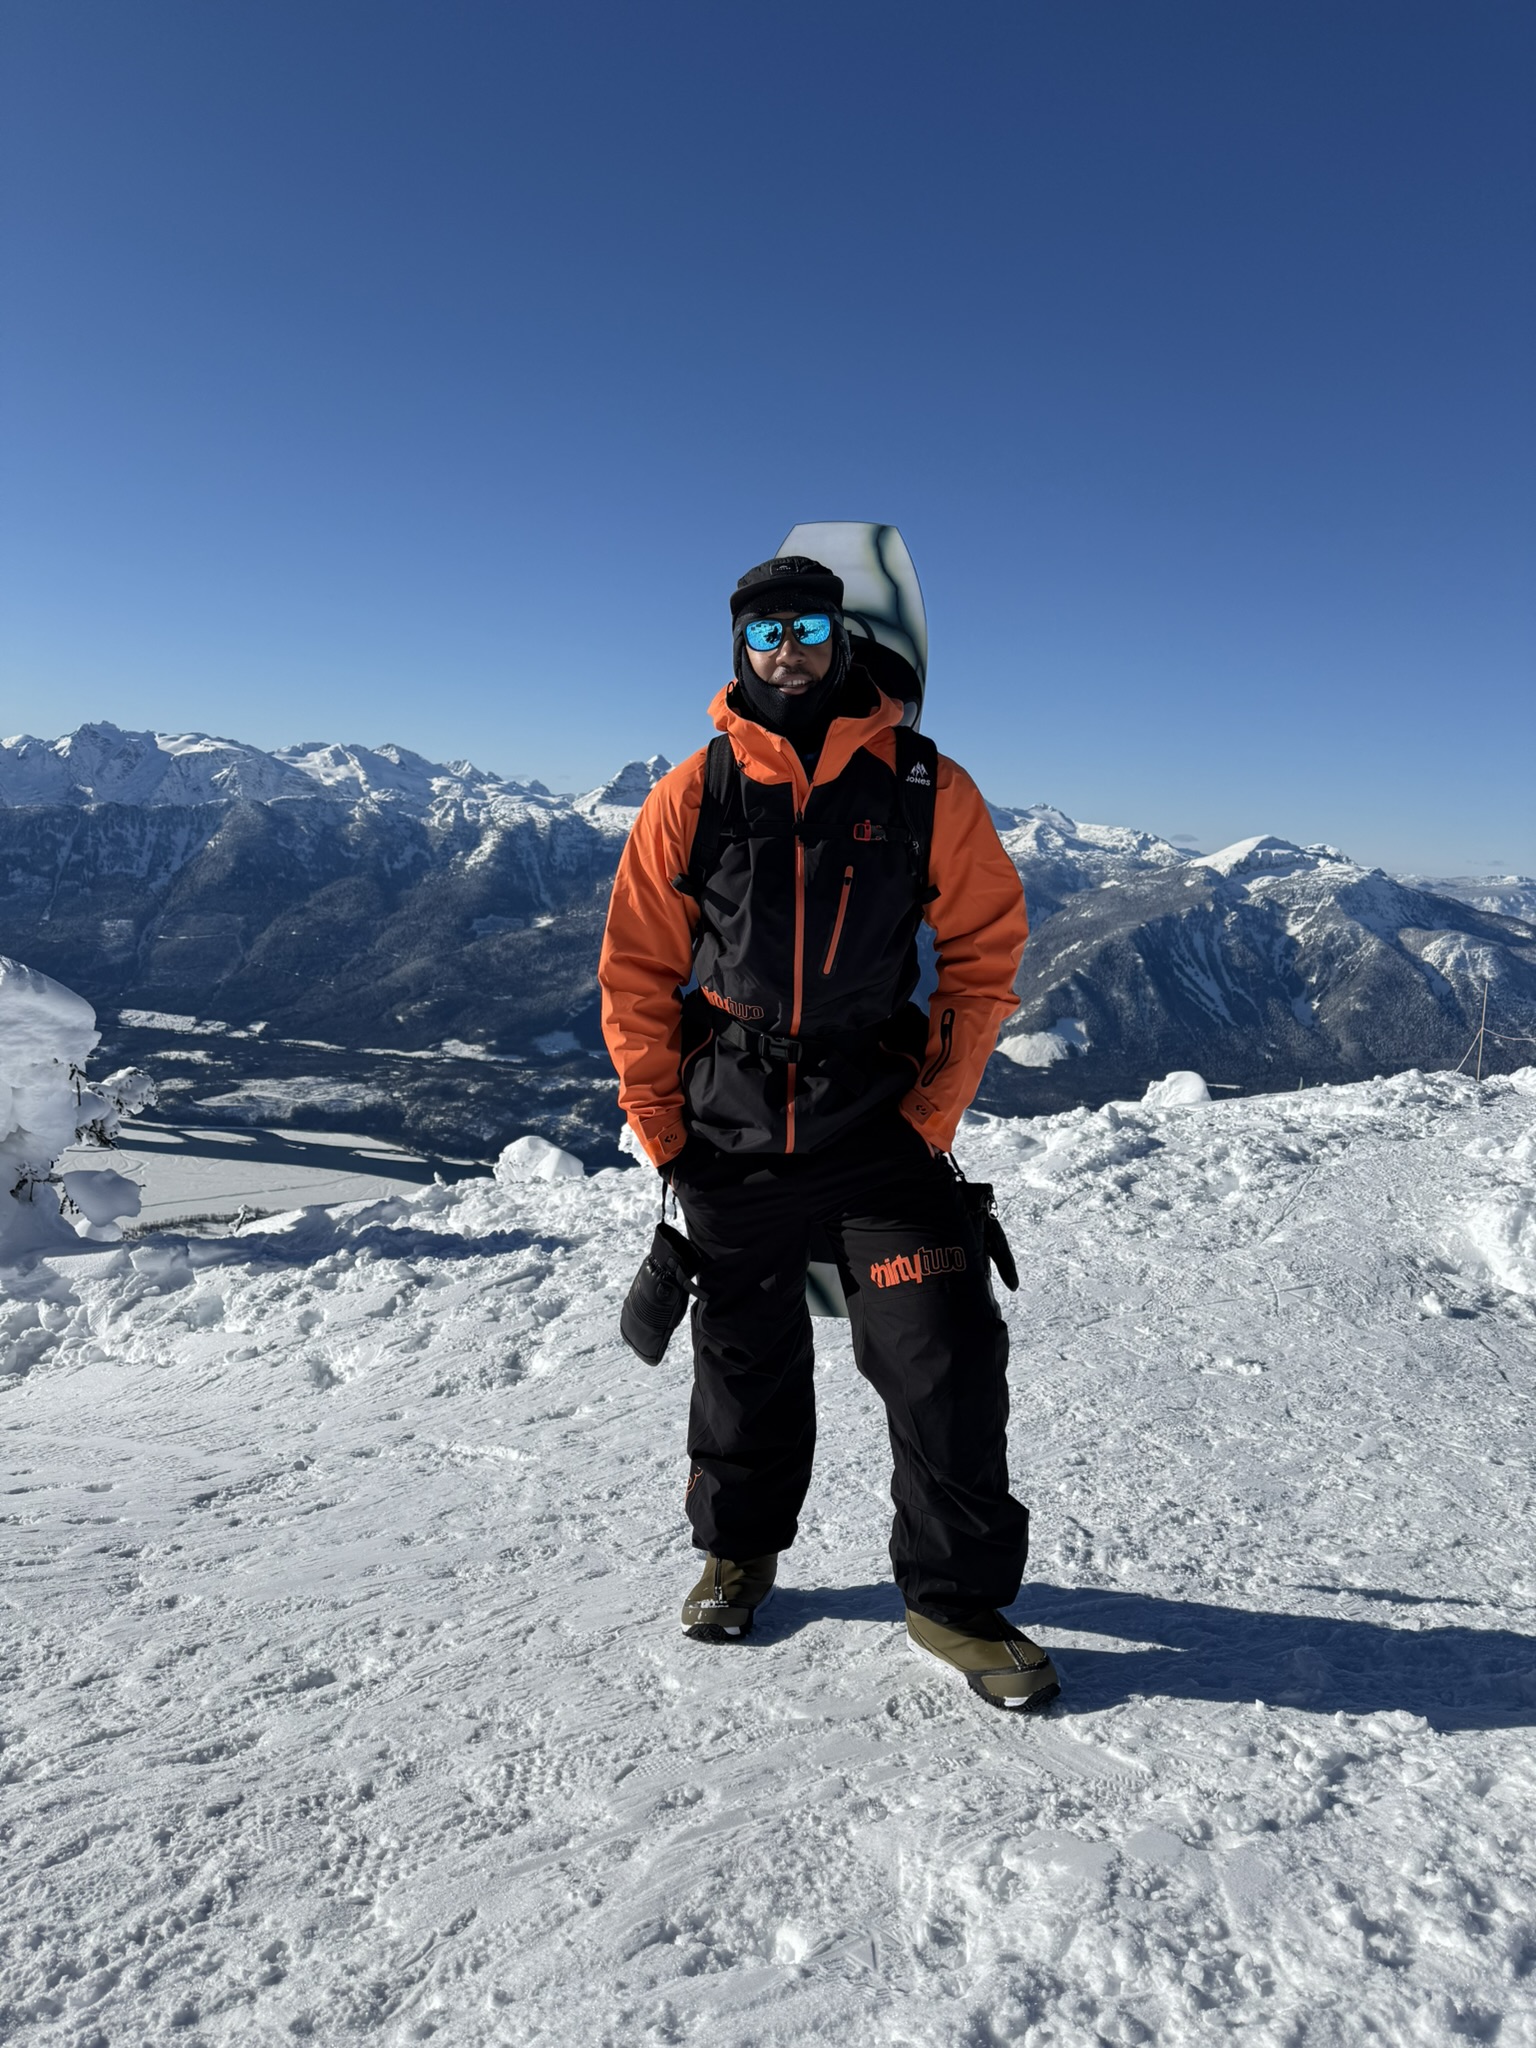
(946,1046)
(837,928)
(799,972)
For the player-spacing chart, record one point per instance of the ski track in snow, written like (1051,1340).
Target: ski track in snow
(345,1698)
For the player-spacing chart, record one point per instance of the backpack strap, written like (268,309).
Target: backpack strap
(917,783)
(719,774)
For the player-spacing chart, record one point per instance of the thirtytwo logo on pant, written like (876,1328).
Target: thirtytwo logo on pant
(919,1265)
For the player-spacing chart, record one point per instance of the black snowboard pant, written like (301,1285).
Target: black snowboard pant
(925,1335)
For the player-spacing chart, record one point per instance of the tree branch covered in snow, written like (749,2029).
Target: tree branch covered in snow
(47,1033)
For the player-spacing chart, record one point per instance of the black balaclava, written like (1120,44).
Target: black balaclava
(789,583)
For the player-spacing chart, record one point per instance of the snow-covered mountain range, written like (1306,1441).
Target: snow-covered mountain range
(347,931)
(1266,964)
(101,764)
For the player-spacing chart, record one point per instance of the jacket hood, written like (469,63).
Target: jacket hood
(768,756)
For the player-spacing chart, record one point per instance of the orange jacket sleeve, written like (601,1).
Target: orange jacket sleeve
(980,923)
(646,959)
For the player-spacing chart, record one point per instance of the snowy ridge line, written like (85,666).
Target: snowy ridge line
(100,763)
(348,1693)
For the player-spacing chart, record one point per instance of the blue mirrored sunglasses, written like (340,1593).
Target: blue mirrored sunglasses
(764,635)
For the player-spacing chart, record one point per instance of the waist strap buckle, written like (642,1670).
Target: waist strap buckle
(792,1051)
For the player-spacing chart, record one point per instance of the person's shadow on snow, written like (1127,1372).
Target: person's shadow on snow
(793,1608)
(1452,1677)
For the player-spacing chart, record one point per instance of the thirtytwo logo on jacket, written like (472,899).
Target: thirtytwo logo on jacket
(919,1265)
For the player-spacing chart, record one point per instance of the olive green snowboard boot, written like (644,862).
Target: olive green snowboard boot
(997,1661)
(721,1606)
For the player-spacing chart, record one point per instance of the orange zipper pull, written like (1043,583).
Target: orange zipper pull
(837,928)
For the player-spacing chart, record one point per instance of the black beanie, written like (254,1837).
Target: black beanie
(788,583)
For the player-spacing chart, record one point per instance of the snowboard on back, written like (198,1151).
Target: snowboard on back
(888,628)
(882,601)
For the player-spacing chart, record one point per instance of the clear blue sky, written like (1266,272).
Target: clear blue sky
(429,372)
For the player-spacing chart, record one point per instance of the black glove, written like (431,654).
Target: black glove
(658,1296)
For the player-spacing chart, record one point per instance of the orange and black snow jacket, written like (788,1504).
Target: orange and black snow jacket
(803,944)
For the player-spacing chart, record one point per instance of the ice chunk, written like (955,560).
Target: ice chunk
(531,1158)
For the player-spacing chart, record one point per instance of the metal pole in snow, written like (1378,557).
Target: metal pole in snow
(1482,1027)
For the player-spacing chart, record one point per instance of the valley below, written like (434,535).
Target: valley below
(344,938)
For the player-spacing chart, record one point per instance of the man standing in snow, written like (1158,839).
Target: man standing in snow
(796,1089)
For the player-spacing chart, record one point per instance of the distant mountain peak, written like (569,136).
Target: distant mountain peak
(629,788)
(1266,855)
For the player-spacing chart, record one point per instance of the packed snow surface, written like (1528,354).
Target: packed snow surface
(192,1172)
(345,1696)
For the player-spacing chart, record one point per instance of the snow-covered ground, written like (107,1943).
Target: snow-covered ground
(345,1698)
(193,1172)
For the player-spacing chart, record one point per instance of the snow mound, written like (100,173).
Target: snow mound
(1176,1091)
(531,1158)
(1503,1233)
(47,1033)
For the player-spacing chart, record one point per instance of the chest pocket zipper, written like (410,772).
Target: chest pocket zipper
(837,928)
